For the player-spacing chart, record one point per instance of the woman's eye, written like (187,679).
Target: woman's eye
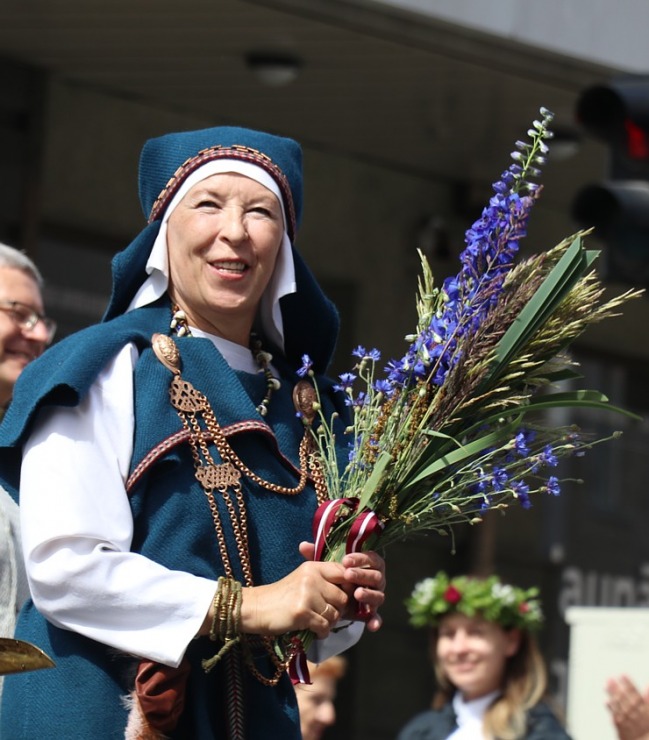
(262,211)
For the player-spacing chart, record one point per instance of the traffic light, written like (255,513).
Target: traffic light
(618,113)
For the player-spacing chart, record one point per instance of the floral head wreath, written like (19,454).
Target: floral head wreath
(508,606)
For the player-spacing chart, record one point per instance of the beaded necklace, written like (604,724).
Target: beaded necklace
(263,359)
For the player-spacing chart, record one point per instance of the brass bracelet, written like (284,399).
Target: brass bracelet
(216,608)
(226,620)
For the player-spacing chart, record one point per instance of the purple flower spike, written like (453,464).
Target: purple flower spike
(307,364)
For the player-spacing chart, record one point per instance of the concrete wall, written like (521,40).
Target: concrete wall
(607,32)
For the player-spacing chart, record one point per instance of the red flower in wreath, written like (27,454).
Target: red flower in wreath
(452,595)
(523,608)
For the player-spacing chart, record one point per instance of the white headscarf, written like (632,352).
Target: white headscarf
(282,281)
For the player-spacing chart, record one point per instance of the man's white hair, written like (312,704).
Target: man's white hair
(14,258)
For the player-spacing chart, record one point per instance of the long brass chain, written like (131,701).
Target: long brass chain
(185,398)
(225,478)
(317,474)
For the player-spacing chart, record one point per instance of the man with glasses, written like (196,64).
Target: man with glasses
(24,329)
(25,332)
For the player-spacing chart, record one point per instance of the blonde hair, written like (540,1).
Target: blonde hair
(524,685)
(333,667)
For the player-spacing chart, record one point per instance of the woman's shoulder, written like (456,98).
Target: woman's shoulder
(543,724)
(434,724)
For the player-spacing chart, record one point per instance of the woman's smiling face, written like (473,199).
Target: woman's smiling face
(223,240)
(473,652)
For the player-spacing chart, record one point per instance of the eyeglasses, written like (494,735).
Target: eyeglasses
(27,317)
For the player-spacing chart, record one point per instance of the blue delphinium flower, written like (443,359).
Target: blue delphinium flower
(361,352)
(383,386)
(398,373)
(553,486)
(522,442)
(346,382)
(522,493)
(358,402)
(547,457)
(307,364)
(451,291)
(492,243)
(354,446)
(500,479)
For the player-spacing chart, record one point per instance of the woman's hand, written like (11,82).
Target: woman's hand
(312,597)
(315,596)
(364,583)
(629,709)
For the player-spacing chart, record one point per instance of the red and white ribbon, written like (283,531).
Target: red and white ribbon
(298,670)
(364,526)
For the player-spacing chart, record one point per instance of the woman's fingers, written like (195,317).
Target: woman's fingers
(307,550)
(365,576)
(308,598)
(365,569)
(364,582)
(629,709)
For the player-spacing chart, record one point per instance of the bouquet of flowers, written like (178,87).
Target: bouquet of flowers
(455,427)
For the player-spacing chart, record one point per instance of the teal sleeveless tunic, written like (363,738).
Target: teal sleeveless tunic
(83,697)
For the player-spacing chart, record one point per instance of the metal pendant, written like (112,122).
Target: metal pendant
(218,477)
(166,351)
(305,398)
(185,397)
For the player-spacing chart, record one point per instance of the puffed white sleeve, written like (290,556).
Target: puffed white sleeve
(77,529)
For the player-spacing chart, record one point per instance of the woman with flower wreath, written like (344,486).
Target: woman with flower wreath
(167,481)
(490,674)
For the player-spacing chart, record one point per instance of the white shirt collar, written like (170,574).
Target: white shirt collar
(237,356)
(469,716)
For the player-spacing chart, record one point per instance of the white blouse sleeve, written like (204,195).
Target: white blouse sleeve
(77,530)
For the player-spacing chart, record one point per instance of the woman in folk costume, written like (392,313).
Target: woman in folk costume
(166,482)
(491,677)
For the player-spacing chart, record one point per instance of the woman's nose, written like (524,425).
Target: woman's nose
(233,224)
(459,641)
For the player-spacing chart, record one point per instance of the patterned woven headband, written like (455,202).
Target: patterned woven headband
(244,153)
